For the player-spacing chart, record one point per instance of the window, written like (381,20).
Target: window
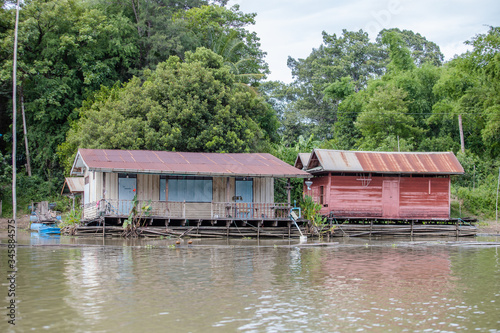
(321,195)
(190,189)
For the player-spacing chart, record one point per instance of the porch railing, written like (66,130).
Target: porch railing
(189,210)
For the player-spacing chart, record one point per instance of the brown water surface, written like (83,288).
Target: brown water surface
(249,286)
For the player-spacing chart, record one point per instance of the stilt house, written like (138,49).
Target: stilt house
(202,186)
(380,185)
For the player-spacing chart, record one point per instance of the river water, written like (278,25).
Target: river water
(355,285)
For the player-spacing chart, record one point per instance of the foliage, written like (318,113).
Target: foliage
(30,190)
(66,49)
(223,31)
(384,117)
(348,55)
(310,211)
(194,105)
(136,217)
(77,60)
(72,218)
(421,50)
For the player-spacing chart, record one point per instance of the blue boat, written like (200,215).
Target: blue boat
(45,228)
(42,220)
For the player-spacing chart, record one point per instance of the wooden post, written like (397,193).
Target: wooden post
(288,192)
(411,229)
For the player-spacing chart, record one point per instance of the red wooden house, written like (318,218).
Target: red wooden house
(380,185)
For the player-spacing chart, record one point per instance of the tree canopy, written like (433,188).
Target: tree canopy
(188,75)
(192,105)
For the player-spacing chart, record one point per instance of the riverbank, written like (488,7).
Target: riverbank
(488,227)
(23,222)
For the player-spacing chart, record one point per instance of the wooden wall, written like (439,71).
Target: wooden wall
(105,186)
(409,197)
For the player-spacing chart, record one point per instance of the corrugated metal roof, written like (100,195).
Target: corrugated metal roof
(74,184)
(384,162)
(302,160)
(165,162)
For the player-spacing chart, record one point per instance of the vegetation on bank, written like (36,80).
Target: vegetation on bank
(189,76)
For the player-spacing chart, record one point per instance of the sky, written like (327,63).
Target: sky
(293,27)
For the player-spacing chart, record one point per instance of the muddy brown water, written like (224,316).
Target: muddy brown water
(67,284)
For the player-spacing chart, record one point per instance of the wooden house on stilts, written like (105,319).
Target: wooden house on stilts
(182,188)
(380,186)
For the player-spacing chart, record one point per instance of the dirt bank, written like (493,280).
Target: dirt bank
(23,222)
(489,227)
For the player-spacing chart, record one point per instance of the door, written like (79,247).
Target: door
(390,198)
(163,189)
(244,198)
(126,192)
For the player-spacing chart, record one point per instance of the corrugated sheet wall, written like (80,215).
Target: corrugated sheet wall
(148,187)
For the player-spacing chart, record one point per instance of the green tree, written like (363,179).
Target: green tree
(421,50)
(195,105)
(67,49)
(385,118)
(222,30)
(348,55)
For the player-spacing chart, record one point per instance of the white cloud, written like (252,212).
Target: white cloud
(293,28)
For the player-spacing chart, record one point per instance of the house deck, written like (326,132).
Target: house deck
(168,211)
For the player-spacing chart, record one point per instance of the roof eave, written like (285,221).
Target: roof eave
(319,170)
(187,173)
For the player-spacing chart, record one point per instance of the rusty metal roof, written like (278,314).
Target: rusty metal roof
(166,162)
(74,185)
(383,162)
(302,160)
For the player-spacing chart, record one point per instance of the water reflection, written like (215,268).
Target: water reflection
(37,238)
(237,286)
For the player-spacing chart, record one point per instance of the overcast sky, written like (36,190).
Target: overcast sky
(293,27)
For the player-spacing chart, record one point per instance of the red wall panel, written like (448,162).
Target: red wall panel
(350,196)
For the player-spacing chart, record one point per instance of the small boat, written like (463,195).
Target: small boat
(45,228)
(43,221)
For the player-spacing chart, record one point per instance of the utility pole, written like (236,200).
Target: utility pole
(14,118)
(462,142)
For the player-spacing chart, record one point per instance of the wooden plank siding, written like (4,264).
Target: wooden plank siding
(105,186)
(424,197)
(415,197)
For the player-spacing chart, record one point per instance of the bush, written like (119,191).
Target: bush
(30,190)
(481,200)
